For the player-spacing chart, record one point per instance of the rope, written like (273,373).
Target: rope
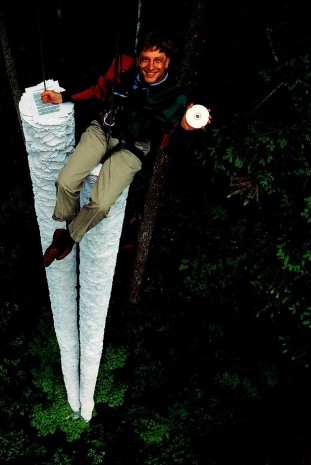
(114,84)
(41,46)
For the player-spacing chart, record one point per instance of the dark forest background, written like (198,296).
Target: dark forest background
(214,360)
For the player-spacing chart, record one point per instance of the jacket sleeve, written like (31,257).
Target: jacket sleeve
(101,90)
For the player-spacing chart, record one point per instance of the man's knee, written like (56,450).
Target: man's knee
(102,207)
(63,182)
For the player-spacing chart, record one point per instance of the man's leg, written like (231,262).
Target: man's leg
(115,175)
(88,153)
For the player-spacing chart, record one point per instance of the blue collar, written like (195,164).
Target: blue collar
(137,82)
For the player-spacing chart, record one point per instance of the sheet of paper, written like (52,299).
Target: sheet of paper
(31,105)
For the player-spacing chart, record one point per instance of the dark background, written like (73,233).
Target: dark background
(74,49)
(76,44)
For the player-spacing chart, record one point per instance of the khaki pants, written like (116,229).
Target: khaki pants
(116,174)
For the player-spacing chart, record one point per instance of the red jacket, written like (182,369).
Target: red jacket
(101,90)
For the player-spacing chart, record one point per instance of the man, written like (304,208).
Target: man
(143,106)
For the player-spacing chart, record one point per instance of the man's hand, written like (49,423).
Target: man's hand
(187,126)
(50,96)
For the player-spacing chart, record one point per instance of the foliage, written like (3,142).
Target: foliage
(216,358)
(109,389)
(58,415)
(266,163)
(54,412)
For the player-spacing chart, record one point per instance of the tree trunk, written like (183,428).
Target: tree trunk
(152,202)
(156,187)
(10,68)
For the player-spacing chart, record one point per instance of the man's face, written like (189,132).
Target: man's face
(152,65)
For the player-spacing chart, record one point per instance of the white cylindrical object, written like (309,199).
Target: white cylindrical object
(197,116)
(50,139)
(98,255)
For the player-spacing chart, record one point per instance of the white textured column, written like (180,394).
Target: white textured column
(50,140)
(98,255)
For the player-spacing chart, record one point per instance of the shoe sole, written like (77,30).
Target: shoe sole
(49,256)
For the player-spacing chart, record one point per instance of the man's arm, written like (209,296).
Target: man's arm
(100,91)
